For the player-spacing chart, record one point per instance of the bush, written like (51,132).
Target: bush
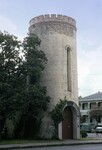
(83,133)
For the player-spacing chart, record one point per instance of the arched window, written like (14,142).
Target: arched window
(69,69)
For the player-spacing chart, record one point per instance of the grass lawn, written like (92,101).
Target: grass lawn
(21,141)
(24,141)
(16,141)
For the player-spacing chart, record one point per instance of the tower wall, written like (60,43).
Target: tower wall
(57,33)
(58,36)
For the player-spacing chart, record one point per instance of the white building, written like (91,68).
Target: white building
(90,102)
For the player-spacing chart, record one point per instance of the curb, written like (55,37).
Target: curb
(35,145)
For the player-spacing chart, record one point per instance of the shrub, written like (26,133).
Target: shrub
(83,133)
(57,115)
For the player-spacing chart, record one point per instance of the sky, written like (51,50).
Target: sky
(16,14)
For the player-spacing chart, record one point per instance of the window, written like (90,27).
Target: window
(84,106)
(99,120)
(91,120)
(99,104)
(69,69)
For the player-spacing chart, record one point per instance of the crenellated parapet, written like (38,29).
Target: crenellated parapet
(52,18)
(58,41)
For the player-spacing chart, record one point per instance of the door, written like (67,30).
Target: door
(67,124)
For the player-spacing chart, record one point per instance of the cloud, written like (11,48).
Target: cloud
(6,24)
(89,64)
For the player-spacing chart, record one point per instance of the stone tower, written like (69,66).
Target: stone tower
(58,36)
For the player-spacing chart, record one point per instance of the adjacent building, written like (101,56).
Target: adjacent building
(90,102)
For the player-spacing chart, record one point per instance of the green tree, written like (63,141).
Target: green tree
(96,113)
(11,77)
(20,89)
(35,58)
(35,100)
(82,118)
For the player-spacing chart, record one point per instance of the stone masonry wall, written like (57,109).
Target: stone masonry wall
(57,33)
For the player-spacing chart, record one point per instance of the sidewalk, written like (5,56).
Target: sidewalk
(52,143)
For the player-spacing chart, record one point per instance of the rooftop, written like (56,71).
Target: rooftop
(96,96)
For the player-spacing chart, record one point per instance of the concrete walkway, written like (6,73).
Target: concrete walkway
(52,143)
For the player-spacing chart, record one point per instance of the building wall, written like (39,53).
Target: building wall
(85,108)
(58,36)
(57,33)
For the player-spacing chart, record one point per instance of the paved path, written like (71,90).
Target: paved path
(72,147)
(92,136)
(51,144)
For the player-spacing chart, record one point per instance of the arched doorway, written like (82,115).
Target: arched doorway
(69,128)
(67,124)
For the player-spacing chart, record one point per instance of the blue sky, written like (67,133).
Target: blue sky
(16,14)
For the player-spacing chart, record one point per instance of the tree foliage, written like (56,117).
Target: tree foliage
(82,119)
(96,113)
(35,58)
(57,114)
(20,88)
(11,77)
(35,99)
